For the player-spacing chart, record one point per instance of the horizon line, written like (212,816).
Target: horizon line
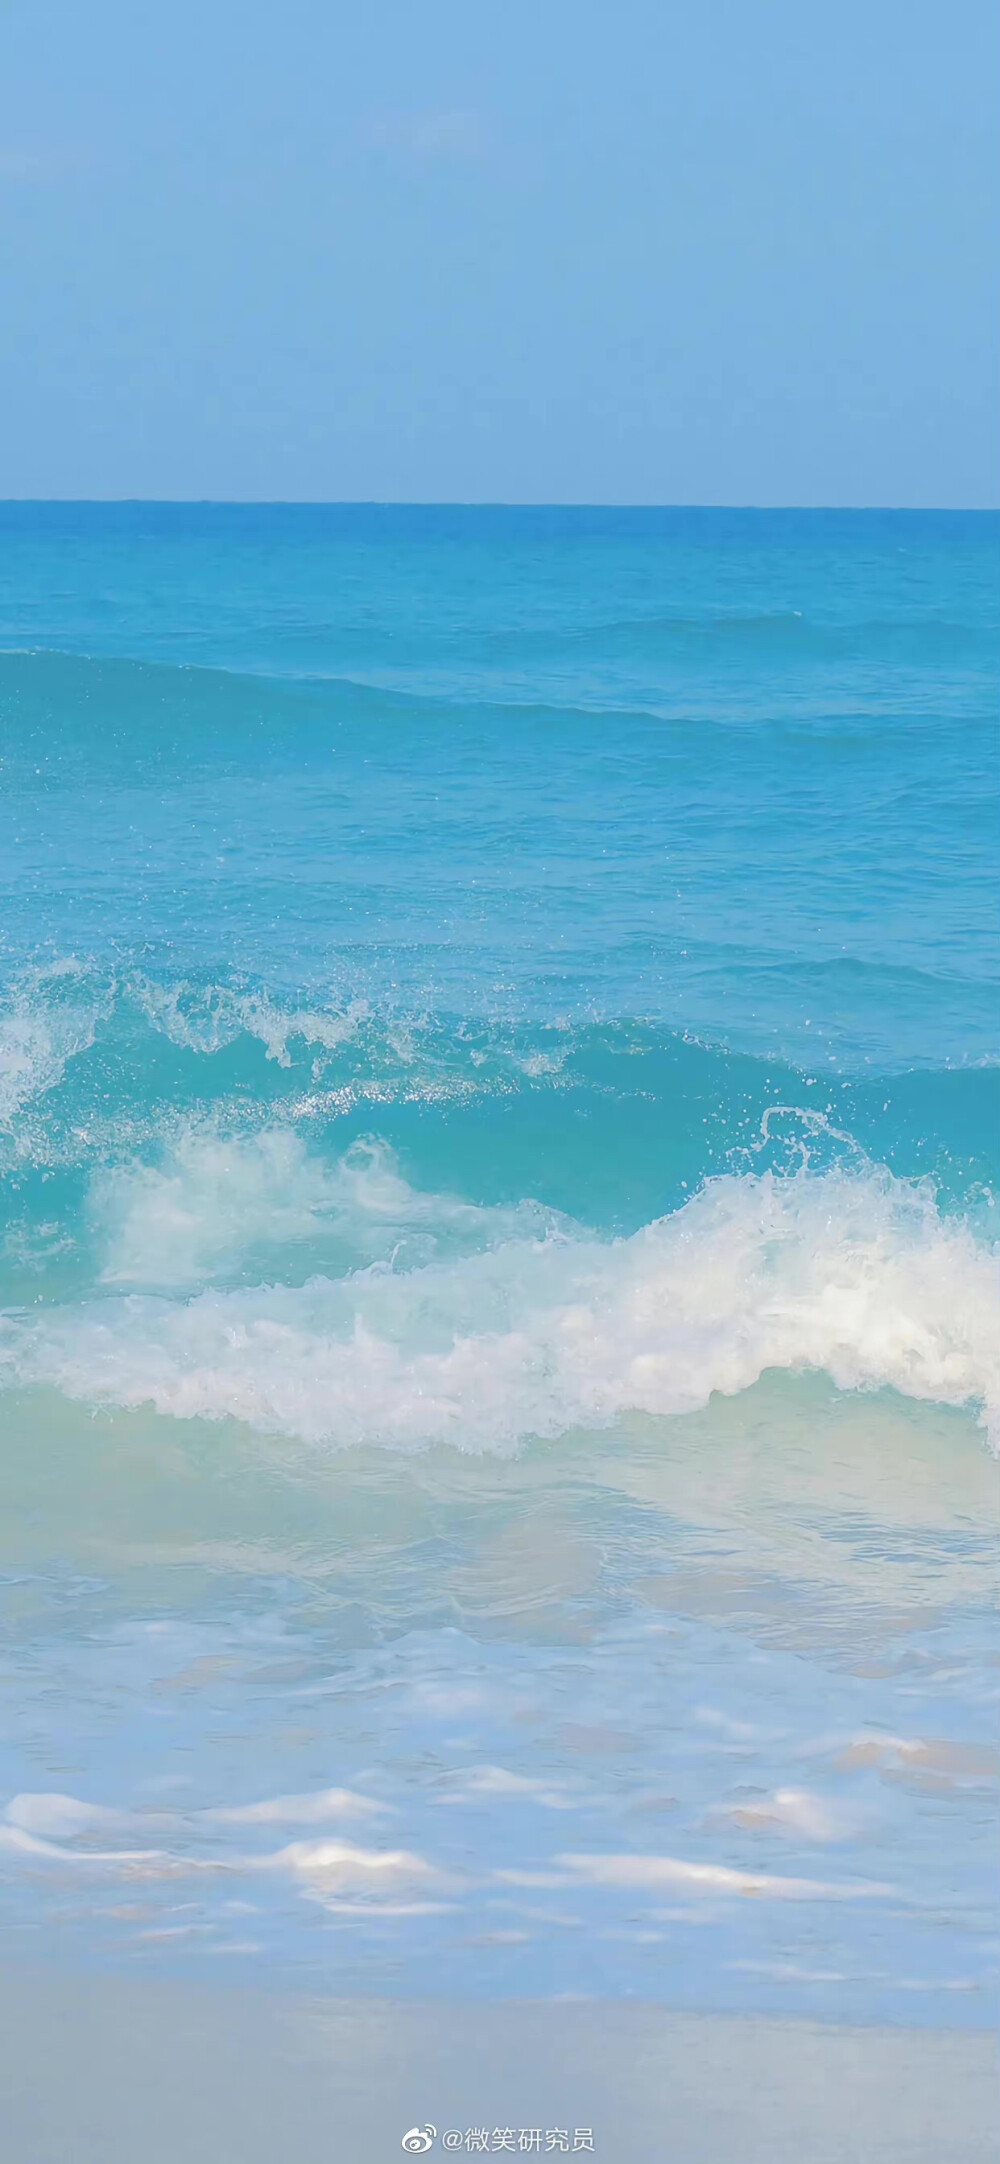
(457,503)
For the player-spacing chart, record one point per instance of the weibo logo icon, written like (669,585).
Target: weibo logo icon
(418,2140)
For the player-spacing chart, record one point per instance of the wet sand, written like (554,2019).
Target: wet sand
(110,2070)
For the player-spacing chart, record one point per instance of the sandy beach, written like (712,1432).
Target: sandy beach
(109,2070)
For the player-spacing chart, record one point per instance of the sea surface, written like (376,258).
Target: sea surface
(500,1336)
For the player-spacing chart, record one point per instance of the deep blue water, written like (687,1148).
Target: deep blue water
(498,1130)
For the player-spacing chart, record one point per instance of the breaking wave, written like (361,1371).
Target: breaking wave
(447,1323)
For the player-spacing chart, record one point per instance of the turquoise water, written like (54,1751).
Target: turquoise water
(498,1129)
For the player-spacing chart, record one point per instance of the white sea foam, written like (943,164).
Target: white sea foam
(794,1812)
(340,1867)
(650,1873)
(855,1274)
(212,1199)
(314,1808)
(52,1016)
(495,1784)
(66,1818)
(63,1818)
(40,1828)
(204,1018)
(919,1761)
(52,1013)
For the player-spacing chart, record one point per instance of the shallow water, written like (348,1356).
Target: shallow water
(499,1279)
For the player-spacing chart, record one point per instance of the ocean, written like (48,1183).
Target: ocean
(500,1346)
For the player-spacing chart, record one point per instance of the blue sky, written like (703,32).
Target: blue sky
(730,251)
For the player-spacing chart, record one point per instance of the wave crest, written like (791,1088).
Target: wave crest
(857,1274)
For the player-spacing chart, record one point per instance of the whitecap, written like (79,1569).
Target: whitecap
(857,1274)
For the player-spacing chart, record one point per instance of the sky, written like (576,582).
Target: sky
(597,251)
